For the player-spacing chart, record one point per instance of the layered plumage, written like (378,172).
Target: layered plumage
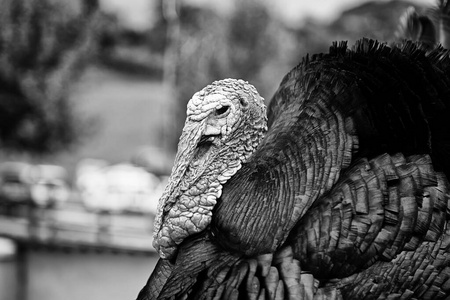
(346,196)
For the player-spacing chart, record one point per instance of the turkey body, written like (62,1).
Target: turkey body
(347,195)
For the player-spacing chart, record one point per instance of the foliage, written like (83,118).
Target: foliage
(43,47)
(251,44)
(214,47)
(374,19)
(439,16)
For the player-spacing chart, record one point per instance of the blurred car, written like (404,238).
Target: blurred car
(15,181)
(117,188)
(91,184)
(43,185)
(49,185)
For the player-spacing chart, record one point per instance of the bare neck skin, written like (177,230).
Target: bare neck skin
(224,125)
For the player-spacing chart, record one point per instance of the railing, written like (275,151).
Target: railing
(77,228)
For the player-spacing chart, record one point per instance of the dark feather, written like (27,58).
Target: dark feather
(349,184)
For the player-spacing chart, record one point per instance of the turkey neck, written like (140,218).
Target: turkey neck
(296,163)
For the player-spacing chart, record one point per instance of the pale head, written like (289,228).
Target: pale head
(225,123)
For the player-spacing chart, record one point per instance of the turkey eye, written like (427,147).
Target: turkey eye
(222,110)
(243,102)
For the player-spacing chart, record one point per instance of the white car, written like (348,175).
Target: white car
(121,187)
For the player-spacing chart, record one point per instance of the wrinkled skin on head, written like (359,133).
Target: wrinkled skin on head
(224,125)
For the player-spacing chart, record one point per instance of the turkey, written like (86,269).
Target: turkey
(339,191)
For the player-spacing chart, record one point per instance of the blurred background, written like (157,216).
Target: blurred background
(93,97)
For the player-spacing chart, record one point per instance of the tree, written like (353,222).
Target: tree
(250,43)
(43,47)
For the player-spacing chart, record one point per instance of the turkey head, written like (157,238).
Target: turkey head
(224,125)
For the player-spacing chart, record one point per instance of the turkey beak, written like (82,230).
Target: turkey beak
(187,145)
(166,236)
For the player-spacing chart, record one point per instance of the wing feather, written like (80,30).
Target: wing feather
(330,110)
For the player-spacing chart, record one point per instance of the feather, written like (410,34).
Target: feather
(347,194)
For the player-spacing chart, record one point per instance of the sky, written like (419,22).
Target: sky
(137,14)
(327,11)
